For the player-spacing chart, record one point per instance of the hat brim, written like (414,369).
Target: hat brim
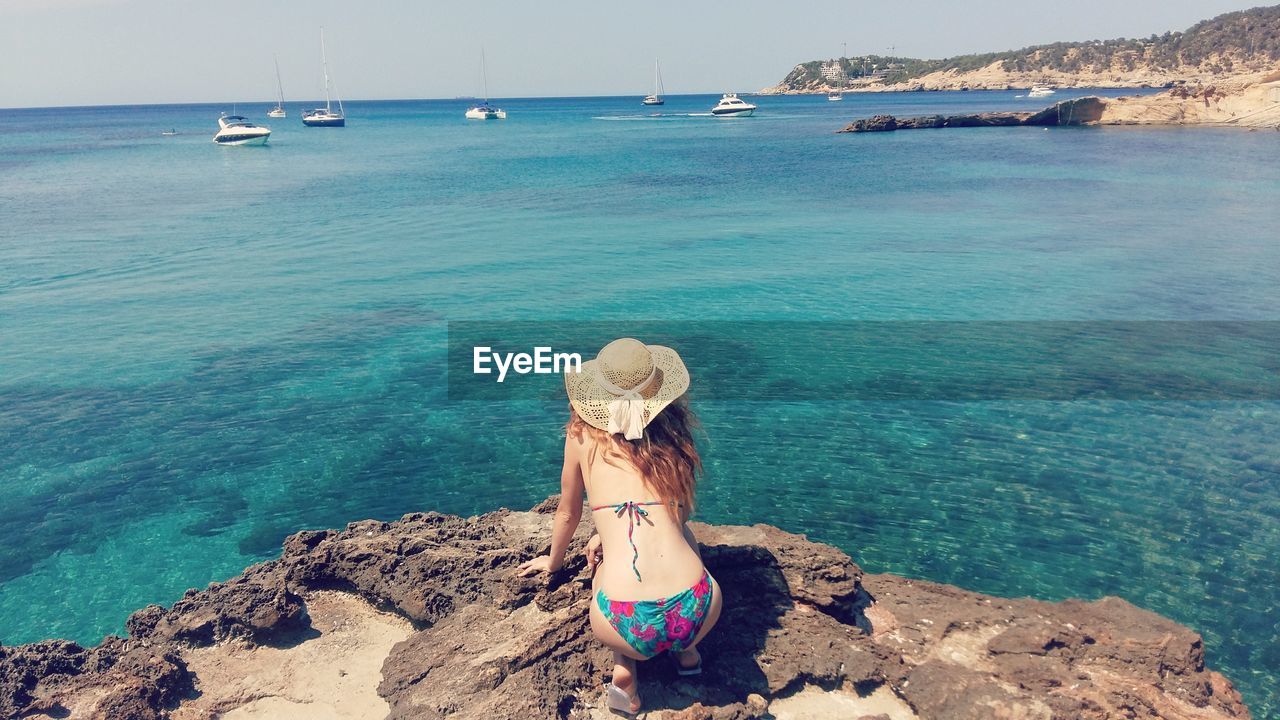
(591,400)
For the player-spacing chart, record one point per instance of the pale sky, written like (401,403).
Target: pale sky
(91,52)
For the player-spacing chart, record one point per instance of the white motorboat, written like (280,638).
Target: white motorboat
(237,130)
(655,97)
(278,110)
(834,97)
(1040,91)
(325,116)
(731,105)
(484,111)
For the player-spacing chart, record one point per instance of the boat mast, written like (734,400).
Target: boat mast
(324,62)
(279,85)
(658,90)
(484,72)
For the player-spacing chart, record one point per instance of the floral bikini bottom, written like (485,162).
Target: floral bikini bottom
(653,626)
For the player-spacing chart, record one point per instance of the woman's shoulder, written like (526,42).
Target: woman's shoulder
(577,441)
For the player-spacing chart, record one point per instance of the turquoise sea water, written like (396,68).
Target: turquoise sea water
(203,349)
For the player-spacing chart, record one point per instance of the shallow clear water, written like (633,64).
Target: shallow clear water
(203,349)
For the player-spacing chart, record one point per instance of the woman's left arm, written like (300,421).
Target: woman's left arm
(568,514)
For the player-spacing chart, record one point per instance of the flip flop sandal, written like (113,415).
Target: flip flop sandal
(619,701)
(686,671)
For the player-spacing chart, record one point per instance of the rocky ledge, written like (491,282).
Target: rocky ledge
(1081,111)
(1252,106)
(423,618)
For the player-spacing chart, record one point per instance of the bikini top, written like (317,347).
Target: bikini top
(634,511)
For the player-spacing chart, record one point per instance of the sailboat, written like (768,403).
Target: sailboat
(656,97)
(278,110)
(325,116)
(484,111)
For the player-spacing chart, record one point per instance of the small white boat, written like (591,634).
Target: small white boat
(731,105)
(1040,91)
(834,97)
(278,110)
(325,116)
(237,130)
(655,97)
(484,111)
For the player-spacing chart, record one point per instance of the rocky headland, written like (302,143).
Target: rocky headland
(1247,105)
(424,618)
(1230,47)
(996,77)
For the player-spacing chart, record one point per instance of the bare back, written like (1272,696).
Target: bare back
(664,553)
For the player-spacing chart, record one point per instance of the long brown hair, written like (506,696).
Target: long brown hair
(666,457)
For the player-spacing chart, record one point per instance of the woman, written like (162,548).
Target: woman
(629,447)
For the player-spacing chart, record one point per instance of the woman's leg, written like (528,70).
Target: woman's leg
(624,678)
(624,656)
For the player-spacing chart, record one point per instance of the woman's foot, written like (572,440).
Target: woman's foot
(688,662)
(620,701)
(622,695)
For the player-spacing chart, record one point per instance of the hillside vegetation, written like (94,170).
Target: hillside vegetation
(1248,40)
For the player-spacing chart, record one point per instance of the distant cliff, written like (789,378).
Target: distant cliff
(1237,43)
(424,618)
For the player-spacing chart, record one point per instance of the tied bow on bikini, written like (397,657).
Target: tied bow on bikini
(634,513)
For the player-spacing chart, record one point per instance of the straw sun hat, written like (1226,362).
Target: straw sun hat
(626,386)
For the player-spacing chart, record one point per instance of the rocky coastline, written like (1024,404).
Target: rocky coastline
(1252,106)
(424,618)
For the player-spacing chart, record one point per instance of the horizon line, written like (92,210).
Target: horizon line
(272,101)
(459,98)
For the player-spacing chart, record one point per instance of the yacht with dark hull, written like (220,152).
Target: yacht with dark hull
(655,97)
(325,116)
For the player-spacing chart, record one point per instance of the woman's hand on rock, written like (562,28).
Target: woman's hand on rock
(542,564)
(595,553)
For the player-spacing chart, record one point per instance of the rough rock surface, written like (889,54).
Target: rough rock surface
(1080,111)
(804,634)
(1252,106)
